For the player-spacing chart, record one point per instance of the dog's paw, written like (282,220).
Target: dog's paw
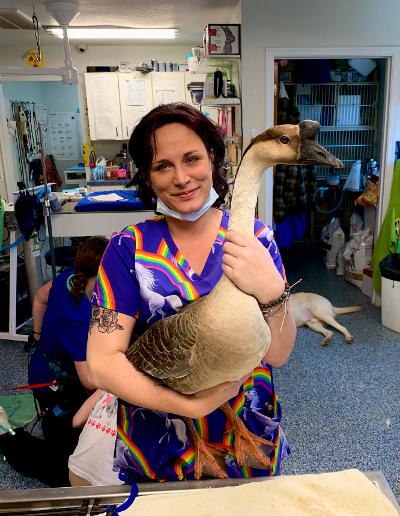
(326,341)
(349,339)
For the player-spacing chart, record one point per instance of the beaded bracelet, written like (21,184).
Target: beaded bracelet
(269,309)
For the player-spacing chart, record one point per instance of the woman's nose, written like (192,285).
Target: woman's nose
(181,177)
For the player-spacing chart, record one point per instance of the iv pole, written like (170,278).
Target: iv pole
(47,201)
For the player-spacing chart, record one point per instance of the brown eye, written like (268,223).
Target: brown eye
(284,139)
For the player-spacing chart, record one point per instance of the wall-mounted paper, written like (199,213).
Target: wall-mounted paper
(135,92)
(64,135)
(166,96)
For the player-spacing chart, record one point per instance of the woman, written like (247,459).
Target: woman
(61,315)
(148,271)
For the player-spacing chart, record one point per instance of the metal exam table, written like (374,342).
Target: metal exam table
(88,501)
(71,223)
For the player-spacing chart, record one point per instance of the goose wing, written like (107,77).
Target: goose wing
(165,350)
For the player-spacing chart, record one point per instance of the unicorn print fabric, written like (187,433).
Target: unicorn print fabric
(151,279)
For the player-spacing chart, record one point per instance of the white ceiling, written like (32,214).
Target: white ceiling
(189,16)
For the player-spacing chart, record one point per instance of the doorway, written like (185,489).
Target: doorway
(389,63)
(346,96)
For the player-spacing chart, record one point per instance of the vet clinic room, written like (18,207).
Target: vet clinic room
(130,133)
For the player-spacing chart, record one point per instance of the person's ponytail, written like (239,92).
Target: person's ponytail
(87,262)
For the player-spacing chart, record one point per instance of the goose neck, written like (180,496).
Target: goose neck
(244,196)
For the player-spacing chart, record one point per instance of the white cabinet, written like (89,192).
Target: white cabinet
(117,101)
(103,103)
(136,99)
(168,87)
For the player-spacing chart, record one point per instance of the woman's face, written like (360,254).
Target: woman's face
(181,173)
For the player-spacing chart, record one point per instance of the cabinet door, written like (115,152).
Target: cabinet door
(102,94)
(136,99)
(168,87)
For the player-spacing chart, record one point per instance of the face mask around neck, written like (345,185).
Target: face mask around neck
(191,217)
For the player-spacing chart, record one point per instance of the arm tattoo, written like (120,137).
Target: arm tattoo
(105,320)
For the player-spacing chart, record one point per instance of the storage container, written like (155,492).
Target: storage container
(391,304)
(390,273)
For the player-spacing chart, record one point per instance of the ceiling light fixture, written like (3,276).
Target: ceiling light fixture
(113,33)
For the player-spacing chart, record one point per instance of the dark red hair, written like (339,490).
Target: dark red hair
(86,264)
(142,144)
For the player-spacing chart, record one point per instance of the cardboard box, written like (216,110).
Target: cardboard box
(360,260)
(367,282)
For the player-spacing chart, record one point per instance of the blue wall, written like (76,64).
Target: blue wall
(57,97)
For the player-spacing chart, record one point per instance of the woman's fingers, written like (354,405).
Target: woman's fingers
(229,260)
(237,238)
(232,249)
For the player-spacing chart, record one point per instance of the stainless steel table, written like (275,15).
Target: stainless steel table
(69,222)
(88,501)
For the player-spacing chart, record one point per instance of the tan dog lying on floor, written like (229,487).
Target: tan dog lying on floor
(312,310)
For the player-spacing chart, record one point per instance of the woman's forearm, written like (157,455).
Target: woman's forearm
(144,391)
(135,387)
(283,336)
(39,306)
(38,310)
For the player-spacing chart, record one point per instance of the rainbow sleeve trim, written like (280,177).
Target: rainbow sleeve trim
(105,294)
(173,273)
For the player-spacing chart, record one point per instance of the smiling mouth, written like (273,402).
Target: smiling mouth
(185,194)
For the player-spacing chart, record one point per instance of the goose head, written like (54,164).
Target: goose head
(291,145)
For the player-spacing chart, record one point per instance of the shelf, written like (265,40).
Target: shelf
(221,101)
(347,128)
(209,63)
(109,182)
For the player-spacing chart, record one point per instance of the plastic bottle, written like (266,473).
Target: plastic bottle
(192,63)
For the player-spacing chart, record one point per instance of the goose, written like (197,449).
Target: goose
(207,342)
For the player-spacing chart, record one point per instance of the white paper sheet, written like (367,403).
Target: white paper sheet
(107,198)
(63,135)
(135,92)
(166,96)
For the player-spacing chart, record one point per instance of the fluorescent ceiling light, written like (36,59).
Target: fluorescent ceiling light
(114,33)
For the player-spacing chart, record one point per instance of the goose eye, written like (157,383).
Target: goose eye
(284,139)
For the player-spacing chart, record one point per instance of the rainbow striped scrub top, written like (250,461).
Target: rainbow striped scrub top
(143,274)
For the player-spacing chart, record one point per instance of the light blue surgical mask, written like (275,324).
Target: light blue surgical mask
(191,217)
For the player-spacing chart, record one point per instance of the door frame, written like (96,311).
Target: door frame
(391,114)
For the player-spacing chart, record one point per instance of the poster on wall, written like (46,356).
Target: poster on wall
(222,40)
(63,132)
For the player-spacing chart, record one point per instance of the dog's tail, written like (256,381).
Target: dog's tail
(346,309)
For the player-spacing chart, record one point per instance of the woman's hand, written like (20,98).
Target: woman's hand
(249,265)
(208,400)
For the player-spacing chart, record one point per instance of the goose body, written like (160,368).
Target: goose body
(223,336)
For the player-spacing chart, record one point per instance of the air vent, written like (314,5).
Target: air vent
(11,18)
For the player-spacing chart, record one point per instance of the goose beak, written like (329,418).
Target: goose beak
(311,153)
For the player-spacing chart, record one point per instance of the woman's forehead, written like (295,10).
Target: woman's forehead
(176,138)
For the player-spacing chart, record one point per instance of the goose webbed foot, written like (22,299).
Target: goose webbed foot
(248,446)
(210,458)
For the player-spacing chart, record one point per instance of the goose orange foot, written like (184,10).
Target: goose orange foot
(209,459)
(248,446)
